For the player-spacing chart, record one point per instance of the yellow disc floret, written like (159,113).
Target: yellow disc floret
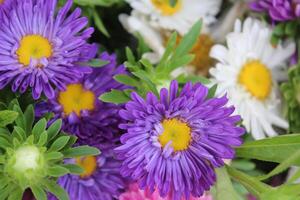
(89,165)
(33,47)
(176,131)
(76,98)
(256,79)
(165,8)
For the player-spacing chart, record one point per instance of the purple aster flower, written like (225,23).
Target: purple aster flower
(279,10)
(5,6)
(174,143)
(39,47)
(101,179)
(91,120)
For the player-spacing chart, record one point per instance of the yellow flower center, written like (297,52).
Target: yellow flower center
(201,50)
(89,165)
(256,78)
(33,47)
(176,131)
(76,98)
(165,7)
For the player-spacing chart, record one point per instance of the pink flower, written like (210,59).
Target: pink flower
(134,193)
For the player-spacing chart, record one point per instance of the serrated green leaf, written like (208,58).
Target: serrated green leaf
(114,96)
(57,171)
(74,169)
(168,51)
(143,76)
(38,192)
(275,149)
(54,129)
(224,188)
(59,143)
(81,151)
(7,117)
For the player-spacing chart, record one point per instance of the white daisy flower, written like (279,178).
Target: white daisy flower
(247,71)
(181,16)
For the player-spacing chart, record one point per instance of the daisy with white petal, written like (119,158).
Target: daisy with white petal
(179,17)
(248,71)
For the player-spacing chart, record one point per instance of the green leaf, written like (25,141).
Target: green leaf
(252,184)
(127,80)
(43,139)
(16,195)
(55,189)
(284,192)
(279,29)
(99,24)
(224,188)
(54,129)
(212,91)
(74,169)
(97,63)
(54,155)
(7,117)
(181,61)
(19,133)
(57,171)
(114,96)
(244,165)
(4,143)
(188,40)
(59,143)
(39,128)
(275,149)
(130,56)
(283,165)
(81,151)
(29,118)
(169,49)
(38,192)
(143,76)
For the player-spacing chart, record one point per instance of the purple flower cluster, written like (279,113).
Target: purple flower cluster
(40,46)
(279,10)
(174,143)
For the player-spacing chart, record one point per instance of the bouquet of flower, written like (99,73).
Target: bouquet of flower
(149,99)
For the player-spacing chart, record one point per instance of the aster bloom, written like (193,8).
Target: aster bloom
(172,144)
(101,179)
(134,193)
(279,10)
(91,120)
(179,17)
(39,47)
(247,70)
(5,6)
